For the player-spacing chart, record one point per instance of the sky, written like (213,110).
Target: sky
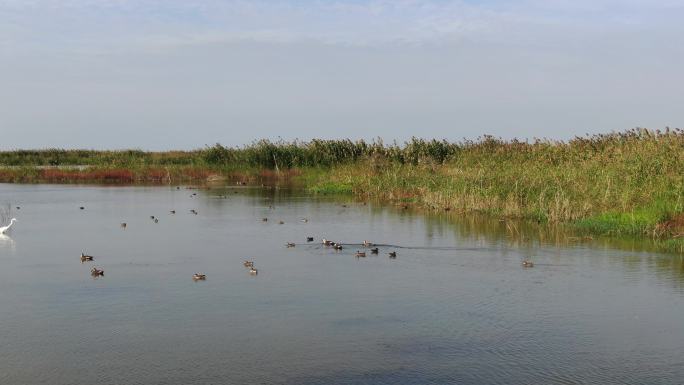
(183,74)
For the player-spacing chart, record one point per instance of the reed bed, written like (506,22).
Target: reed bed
(627,183)
(621,183)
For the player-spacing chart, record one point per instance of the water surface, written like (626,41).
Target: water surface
(454,307)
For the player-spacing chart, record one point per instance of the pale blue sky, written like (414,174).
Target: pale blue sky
(162,74)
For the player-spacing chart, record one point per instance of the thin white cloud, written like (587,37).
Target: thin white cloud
(103,25)
(122,73)
(111,23)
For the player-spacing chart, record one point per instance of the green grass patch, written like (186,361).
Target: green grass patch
(633,223)
(331,188)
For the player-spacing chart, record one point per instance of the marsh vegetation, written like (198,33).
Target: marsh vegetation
(626,183)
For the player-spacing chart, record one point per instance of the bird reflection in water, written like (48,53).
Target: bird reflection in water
(6,242)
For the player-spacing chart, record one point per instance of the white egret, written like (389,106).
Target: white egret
(4,229)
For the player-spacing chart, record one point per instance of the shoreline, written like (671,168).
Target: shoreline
(319,182)
(616,184)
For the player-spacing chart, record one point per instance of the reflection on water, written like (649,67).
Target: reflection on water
(530,236)
(455,306)
(6,243)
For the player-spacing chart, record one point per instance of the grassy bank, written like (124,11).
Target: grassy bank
(628,183)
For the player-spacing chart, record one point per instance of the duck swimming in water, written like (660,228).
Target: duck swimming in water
(527,263)
(253,271)
(360,254)
(290,244)
(392,254)
(248,263)
(86,257)
(96,272)
(374,250)
(199,277)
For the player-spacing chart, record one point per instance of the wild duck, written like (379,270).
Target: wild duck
(86,257)
(253,271)
(360,254)
(367,244)
(309,239)
(290,244)
(392,254)
(374,250)
(123,225)
(248,263)
(96,272)
(337,246)
(527,263)
(199,277)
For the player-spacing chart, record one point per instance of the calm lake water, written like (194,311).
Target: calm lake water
(454,307)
